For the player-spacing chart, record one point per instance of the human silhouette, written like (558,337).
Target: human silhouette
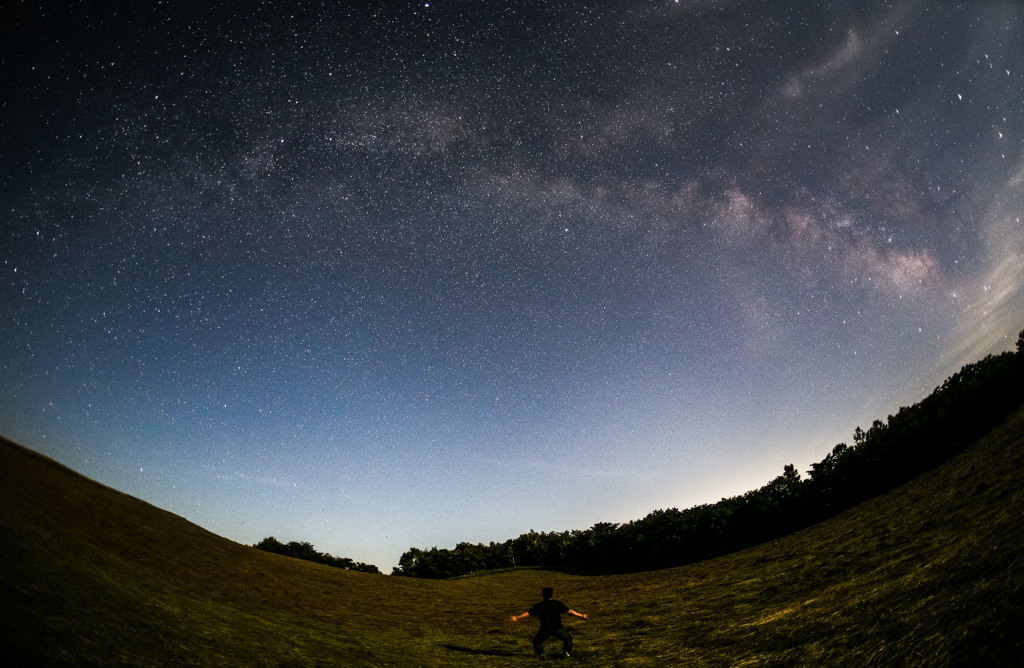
(550,612)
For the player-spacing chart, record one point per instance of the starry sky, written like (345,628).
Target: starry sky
(380,275)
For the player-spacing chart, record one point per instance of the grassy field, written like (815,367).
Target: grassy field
(930,574)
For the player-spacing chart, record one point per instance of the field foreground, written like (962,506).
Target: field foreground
(930,574)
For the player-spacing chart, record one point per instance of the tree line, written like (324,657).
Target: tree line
(964,408)
(308,552)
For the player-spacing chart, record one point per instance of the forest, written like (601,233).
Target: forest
(965,407)
(304,550)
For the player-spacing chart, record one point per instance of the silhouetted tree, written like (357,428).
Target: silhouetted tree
(306,551)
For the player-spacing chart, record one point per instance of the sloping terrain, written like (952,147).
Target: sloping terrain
(930,574)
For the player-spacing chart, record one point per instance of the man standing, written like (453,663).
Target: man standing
(550,612)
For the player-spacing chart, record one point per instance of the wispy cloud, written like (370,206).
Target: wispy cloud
(853,54)
(991,304)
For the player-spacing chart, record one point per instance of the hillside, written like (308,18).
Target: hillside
(928,574)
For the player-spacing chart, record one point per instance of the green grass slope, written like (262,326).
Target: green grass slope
(930,574)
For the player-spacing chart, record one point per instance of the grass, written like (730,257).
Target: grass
(930,574)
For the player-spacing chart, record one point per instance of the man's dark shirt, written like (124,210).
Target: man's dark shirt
(550,613)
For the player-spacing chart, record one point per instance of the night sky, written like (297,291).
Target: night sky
(378,275)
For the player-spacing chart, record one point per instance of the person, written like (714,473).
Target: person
(549,612)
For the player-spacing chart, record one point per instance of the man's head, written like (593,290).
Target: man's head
(547,592)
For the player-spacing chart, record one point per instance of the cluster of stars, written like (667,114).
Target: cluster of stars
(427,239)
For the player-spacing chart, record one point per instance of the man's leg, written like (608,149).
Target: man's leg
(566,639)
(538,641)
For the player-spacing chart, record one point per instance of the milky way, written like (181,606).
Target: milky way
(382,275)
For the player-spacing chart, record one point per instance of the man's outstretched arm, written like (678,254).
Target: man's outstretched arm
(576,614)
(516,618)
